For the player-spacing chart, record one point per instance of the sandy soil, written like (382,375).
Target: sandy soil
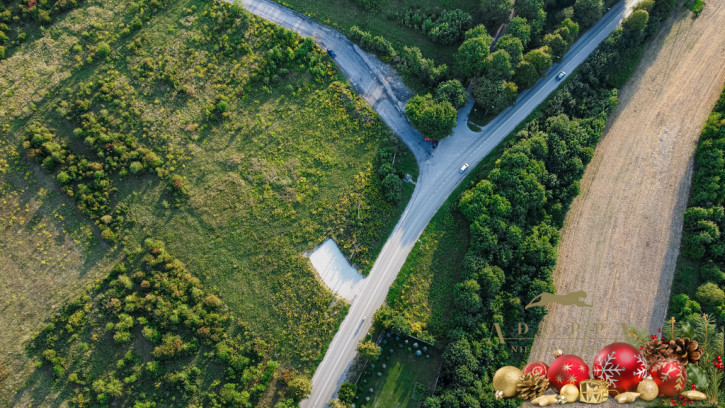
(622,235)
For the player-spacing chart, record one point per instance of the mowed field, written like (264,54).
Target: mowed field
(622,234)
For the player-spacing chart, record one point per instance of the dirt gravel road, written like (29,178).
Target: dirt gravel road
(622,235)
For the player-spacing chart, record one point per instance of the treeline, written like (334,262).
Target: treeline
(537,36)
(515,214)
(150,335)
(698,284)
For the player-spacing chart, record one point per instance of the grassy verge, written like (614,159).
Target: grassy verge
(405,379)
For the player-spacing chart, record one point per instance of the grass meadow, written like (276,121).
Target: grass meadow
(261,156)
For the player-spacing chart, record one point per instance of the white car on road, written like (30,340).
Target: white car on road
(463,168)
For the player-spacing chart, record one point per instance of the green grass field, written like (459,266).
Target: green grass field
(291,161)
(405,381)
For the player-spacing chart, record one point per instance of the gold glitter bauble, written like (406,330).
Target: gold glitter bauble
(505,380)
(648,390)
(570,391)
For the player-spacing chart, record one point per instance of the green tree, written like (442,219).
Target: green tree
(368,349)
(645,5)
(540,58)
(477,31)
(392,188)
(528,9)
(450,27)
(711,272)
(299,387)
(434,119)
(513,47)
(347,392)
(498,66)
(472,54)
(493,96)
(453,92)
(568,30)
(636,22)
(525,75)
(496,12)
(587,12)
(710,296)
(556,44)
(519,28)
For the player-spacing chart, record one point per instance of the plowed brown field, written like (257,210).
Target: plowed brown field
(622,234)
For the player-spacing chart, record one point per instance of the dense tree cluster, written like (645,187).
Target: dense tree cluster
(702,240)
(151,334)
(515,214)
(443,26)
(434,118)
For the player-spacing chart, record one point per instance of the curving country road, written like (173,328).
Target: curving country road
(378,84)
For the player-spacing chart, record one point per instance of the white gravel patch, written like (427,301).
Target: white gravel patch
(339,276)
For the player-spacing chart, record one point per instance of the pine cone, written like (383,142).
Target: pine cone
(531,386)
(685,350)
(655,350)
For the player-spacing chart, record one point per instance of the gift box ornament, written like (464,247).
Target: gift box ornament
(593,391)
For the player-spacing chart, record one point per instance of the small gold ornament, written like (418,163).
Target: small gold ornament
(694,395)
(544,400)
(626,397)
(570,392)
(505,381)
(593,391)
(648,390)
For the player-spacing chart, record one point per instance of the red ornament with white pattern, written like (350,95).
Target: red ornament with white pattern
(670,376)
(622,365)
(536,368)
(567,369)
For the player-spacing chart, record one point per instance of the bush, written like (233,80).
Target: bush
(368,349)
(392,188)
(347,392)
(103,50)
(299,387)
(710,295)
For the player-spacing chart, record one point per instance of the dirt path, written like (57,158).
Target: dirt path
(622,235)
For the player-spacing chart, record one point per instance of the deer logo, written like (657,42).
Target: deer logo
(573,298)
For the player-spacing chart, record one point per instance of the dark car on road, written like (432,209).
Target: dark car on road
(331,53)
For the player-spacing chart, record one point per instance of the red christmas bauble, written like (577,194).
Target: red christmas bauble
(622,365)
(670,376)
(536,368)
(567,369)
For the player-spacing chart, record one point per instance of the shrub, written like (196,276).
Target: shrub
(136,167)
(299,387)
(103,50)
(392,188)
(710,295)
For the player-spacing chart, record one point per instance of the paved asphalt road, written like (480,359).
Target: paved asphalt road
(382,89)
